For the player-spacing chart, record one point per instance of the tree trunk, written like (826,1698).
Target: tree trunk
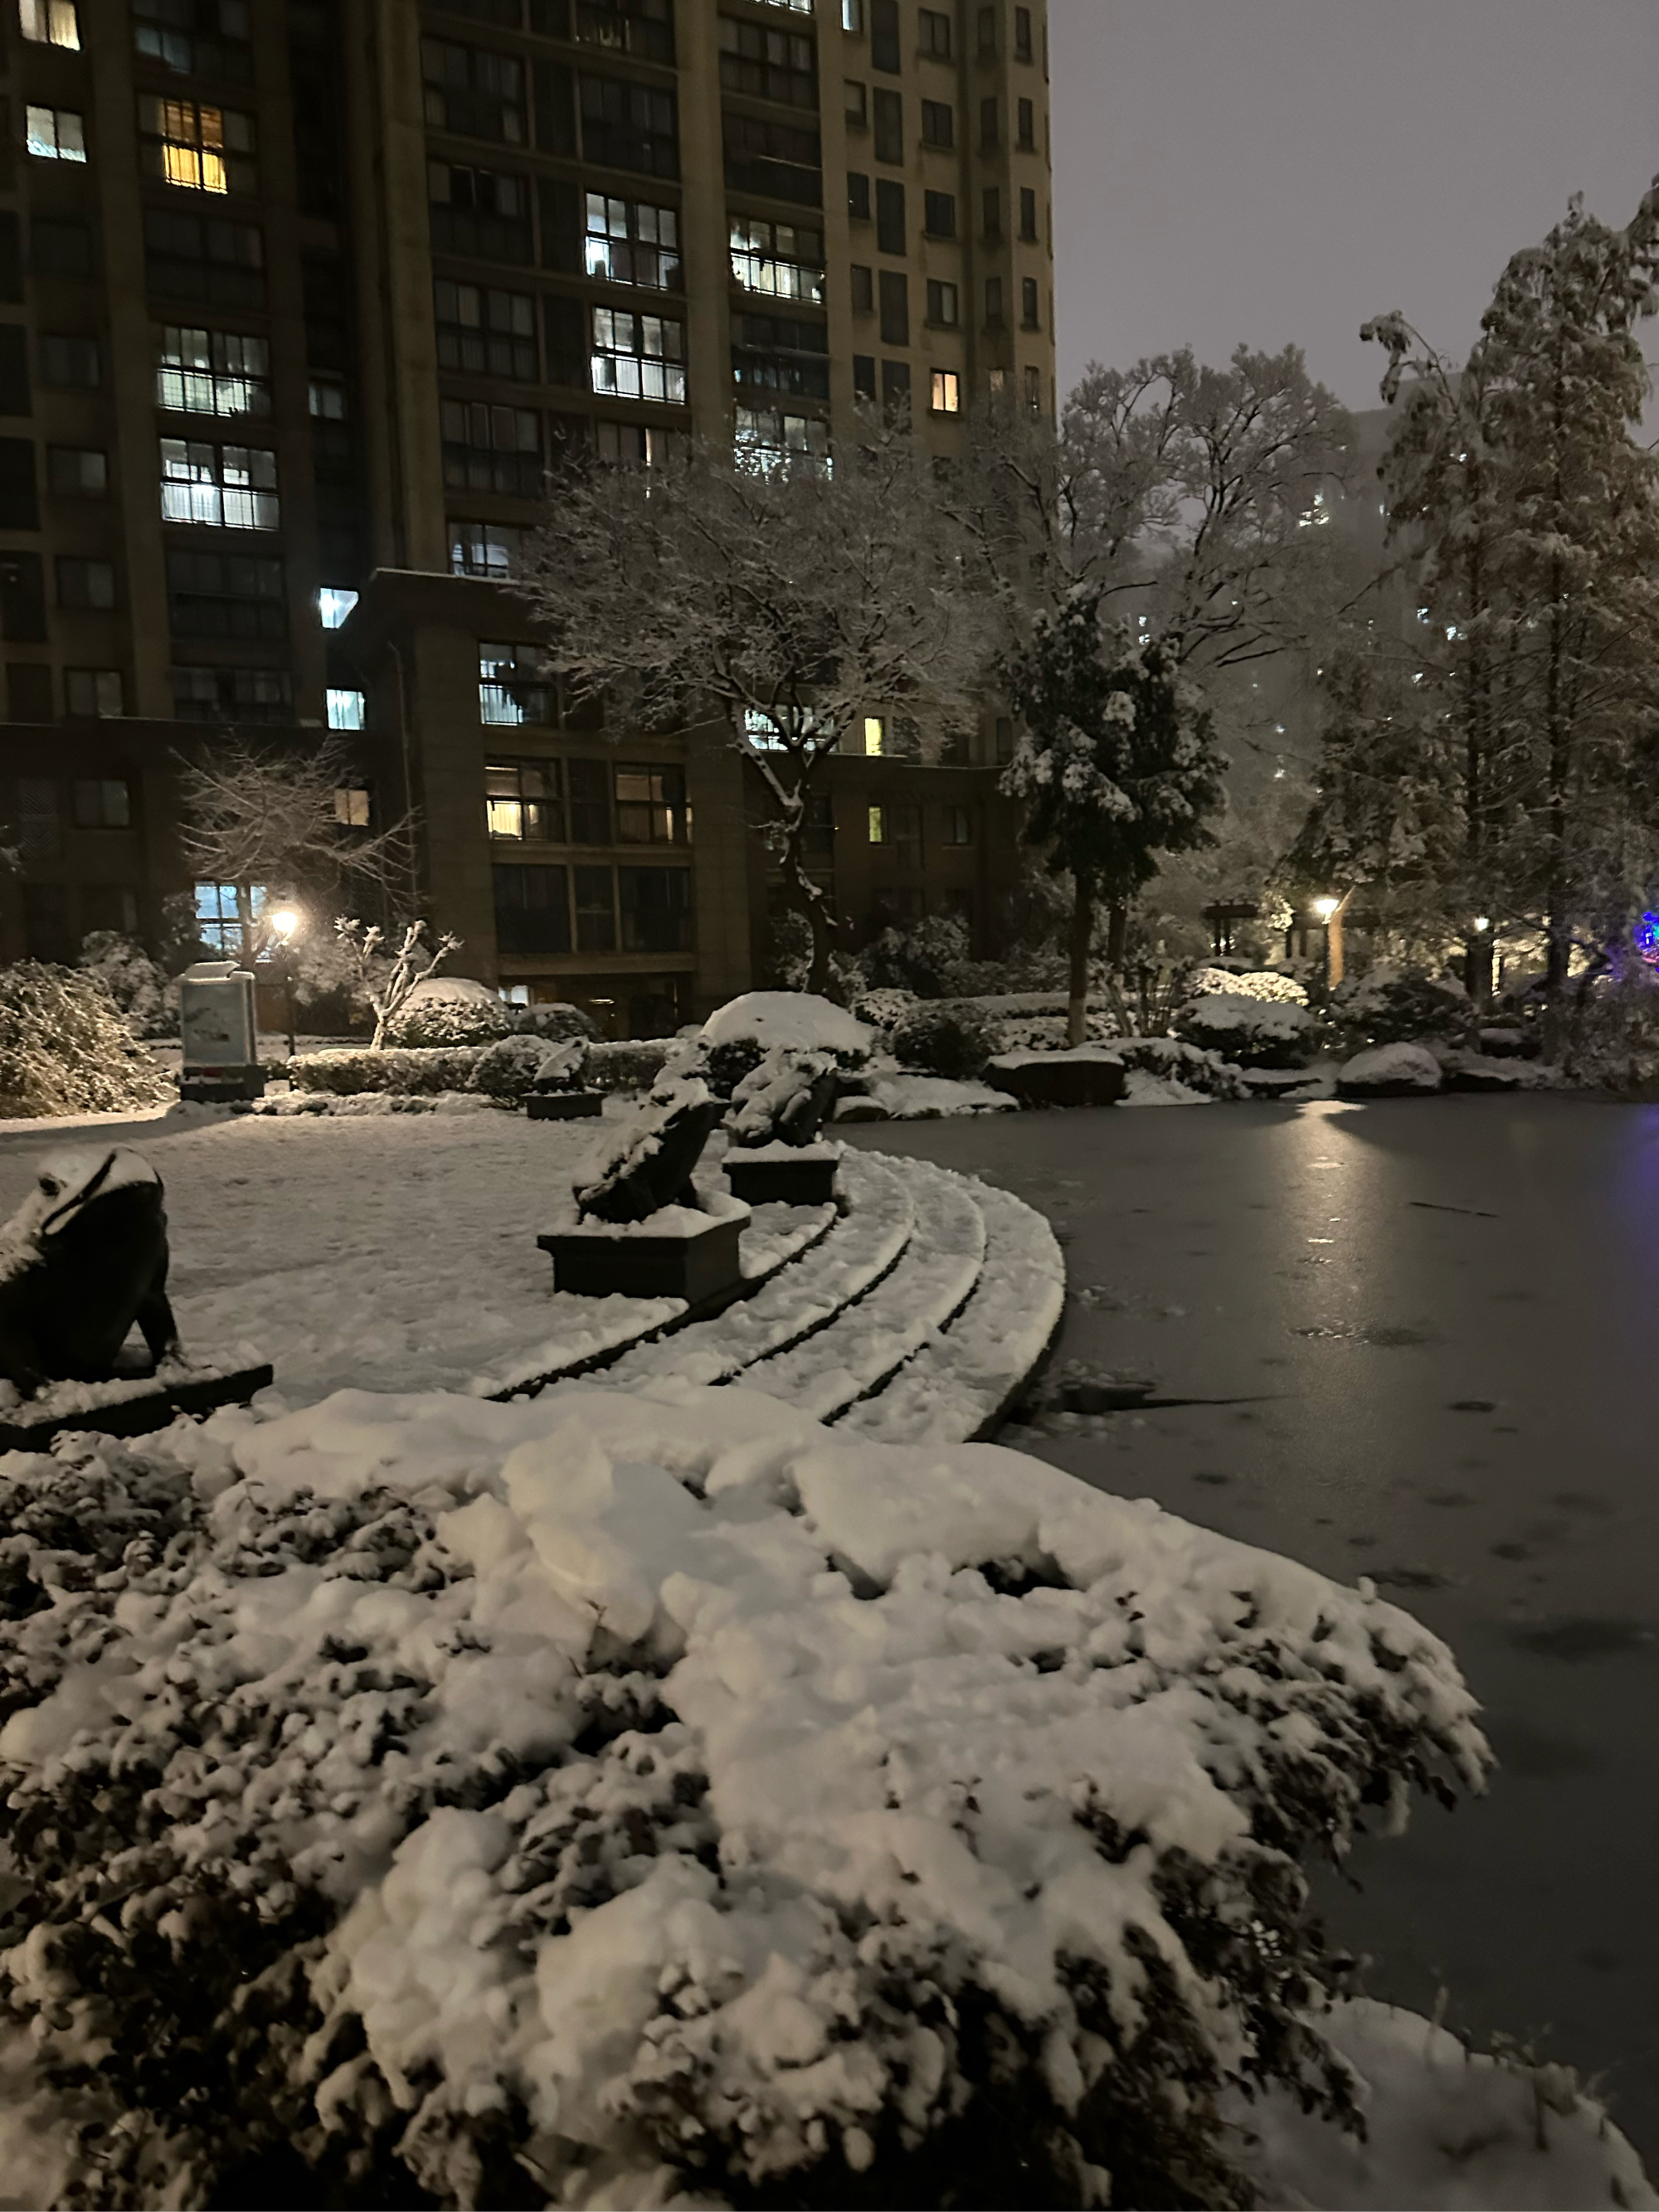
(1117,934)
(1083,924)
(806,897)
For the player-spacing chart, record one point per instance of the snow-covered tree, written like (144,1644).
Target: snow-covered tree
(1115,761)
(266,817)
(384,975)
(789,601)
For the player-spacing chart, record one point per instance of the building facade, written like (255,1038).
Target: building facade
(299,302)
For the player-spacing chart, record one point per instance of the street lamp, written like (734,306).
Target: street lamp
(1326,909)
(1483,922)
(286,923)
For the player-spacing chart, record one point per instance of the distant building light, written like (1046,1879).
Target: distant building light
(345,710)
(334,605)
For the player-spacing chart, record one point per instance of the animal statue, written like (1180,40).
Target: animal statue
(645,1162)
(785,1100)
(82,1259)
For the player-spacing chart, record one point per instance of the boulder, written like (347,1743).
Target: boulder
(1090,1075)
(1389,1071)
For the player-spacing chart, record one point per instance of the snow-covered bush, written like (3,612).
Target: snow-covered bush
(945,1036)
(1389,1006)
(558,1023)
(66,1049)
(604,1797)
(881,1009)
(1615,1034)
(737,1037)
(1207,1072)
(628,1064)
(928,957)
(448,1010)
(1390,1071)
(1251,1032)
(1251,983)
(348,1070)
(140,987)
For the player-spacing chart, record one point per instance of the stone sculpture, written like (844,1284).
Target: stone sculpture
(82,1259)
(785,1100)
(646,1162)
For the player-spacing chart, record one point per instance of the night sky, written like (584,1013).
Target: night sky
(1278,170)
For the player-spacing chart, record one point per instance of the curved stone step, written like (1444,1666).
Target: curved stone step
(959,1385)
(864,1345)
(862,1247)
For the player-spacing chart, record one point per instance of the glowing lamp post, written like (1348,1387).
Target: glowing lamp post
(1479,962)
(286,924)
(1327,910)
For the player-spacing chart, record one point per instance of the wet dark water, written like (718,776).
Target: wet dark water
(1429,1334)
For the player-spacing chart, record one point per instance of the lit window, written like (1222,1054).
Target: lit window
(327,399)
(877,825)
(651,807)
(875,736)
(94,692)
(946,392)
(334,604)
(484,549)
(203,148)
(784,260)
(353,809)
(228,487)
(77,472)
(345,710)
(630,242)
(766,438)
(852,16)
(50,22)
(512,688)
(57,134)
(638,357)
(227,915)
(523,801)
(212,373)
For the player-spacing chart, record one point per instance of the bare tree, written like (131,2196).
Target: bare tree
(258,816)
(791,600)
(386,979)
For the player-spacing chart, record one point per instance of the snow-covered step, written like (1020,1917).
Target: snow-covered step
(958,1385)
(860,1248)
(858,1351)
(586,1333)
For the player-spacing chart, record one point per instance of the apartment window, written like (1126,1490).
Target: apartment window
(56,134)
(630,242)
(206,38)
(769,64)
(878,819)
(215,260)
(202,372)
(225,595)
(70,363)
(783,259)
(483,213)
(993,211)
(638,357)
(484,549)
(941,303)
(513,690)
(852,16)
(782,353)
(994,301)
(651,807)
(1028,215)
(934,32)
(523,801)
(532,908)
(77,472)
(354,806)
(895,385)
(895,295)
(958,825)
(939,214)
(644,28)
(205,149)
(890,126)
(96,694)
(219,915)
(1022,34)
(1033,391)
(636,445)
(890,217)
(1026,125)
(333,605)
(987,33)
(858,103)
(482,332)
(988,133)
(946,397)
(232,694)
(345,708)
(61,246)
(489,448)
(902,831)
(779,160)
(102,802)
(40,818)
(1028,303)
(767,438)
(626,125)
(589,784)
(656,909)
(50,22)
(858,197)
(85,583)
(938,123)
(864,376)
(884,36)
(472,92)
(596,910)
(229,487)
(864,289)
(325,399)
(872,740)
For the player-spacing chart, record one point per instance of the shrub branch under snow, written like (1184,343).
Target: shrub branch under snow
(609,1795)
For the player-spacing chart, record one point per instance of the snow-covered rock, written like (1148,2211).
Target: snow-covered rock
(796,1019)
(1389,1071)
(1255,1031)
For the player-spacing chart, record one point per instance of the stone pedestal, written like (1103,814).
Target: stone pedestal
(128,1406)
(221,1087)
(563,1105)
(675,1253)
(783,1175)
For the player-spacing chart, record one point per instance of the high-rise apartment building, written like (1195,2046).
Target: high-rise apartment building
(299,300)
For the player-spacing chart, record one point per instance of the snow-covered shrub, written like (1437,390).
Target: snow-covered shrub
(138,985)
(1207,1072)
(927,958)
(1250,983)
(628,1064)
(603,1797)
(558,1023)
(881,1009)
(447,1010)
(737,1037)
(66,1049)
(945,1036)
(1390,1071)
(1390,1006)
(1250,1032)
(348,1070)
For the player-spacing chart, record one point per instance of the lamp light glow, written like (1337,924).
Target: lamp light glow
(1325,907)
(1483,922)
(286,922)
